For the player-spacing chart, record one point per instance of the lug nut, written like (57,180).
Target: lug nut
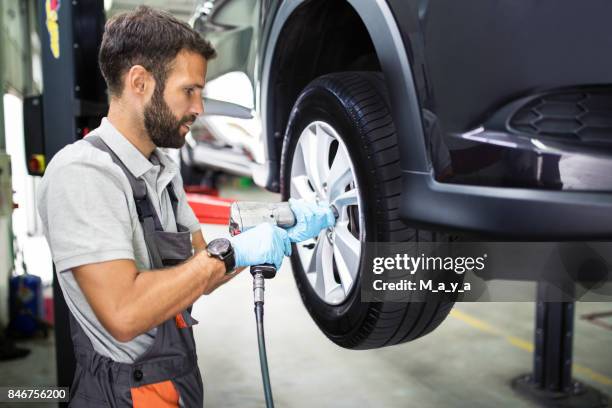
(335,211)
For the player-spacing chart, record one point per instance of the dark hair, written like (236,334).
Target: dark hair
(147,37)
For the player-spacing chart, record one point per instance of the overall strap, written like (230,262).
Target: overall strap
(138,186)
(146,214)
(173,201)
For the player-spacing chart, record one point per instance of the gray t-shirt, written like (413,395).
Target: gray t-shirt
(88,215)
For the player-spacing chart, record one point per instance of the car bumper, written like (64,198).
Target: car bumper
(518,213)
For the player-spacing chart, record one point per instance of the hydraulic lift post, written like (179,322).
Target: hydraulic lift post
(73,101)
(551,382)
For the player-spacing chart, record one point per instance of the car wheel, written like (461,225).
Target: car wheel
(340,147)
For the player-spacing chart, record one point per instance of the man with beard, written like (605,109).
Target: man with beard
(129,252)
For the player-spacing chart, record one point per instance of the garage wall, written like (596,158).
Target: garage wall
(16,53)
(6,249)
(15,76)
(5,254)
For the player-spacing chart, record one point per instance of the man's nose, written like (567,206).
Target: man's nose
(198,107)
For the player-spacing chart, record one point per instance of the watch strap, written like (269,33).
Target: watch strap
(228,257)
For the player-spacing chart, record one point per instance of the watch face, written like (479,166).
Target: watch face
(219,246)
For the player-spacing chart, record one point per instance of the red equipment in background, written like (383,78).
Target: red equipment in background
(208,206)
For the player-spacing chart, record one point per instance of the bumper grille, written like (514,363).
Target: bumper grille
(578,115)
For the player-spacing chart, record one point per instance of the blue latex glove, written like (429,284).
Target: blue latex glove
(311,218)
(263,244)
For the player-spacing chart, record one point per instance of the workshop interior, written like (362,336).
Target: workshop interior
(477,131)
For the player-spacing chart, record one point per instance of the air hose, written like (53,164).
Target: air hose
(258,294)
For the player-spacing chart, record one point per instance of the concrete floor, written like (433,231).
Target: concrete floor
(468,361)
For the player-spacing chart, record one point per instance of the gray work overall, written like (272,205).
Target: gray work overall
(166,372)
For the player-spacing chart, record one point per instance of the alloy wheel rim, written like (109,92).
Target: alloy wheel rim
(323,172)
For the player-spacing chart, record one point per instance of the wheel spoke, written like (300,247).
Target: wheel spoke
(336,295)
(315,145)
(347,198)
(298,167)
(317,267)
(306,148)
(323,145)
(348,246)
(307,255)
(309,154)
(340,174)
(325,282)
(346,272)
(324,141)
(301,189)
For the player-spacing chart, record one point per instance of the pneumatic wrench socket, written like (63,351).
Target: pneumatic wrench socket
(261,272)
(267,271)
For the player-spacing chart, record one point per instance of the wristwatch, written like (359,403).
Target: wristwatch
(221,248)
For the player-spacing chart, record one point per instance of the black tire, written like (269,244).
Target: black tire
(355,103)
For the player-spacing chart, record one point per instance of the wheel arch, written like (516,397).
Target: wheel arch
(302,45)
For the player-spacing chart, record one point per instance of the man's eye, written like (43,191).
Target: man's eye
(189,91)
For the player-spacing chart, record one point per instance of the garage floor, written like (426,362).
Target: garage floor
(468,361)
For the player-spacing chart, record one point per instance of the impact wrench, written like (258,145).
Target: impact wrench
(243,216)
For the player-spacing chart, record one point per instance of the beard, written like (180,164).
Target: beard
(163,127)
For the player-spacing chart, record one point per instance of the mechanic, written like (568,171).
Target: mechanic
(113,206)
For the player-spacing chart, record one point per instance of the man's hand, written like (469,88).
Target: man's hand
(311,219)
(264,244)
(129,302)
(218,277)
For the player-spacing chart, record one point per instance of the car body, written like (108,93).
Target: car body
(472,66)
(502,110)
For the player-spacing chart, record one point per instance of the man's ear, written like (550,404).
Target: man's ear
(139,81)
